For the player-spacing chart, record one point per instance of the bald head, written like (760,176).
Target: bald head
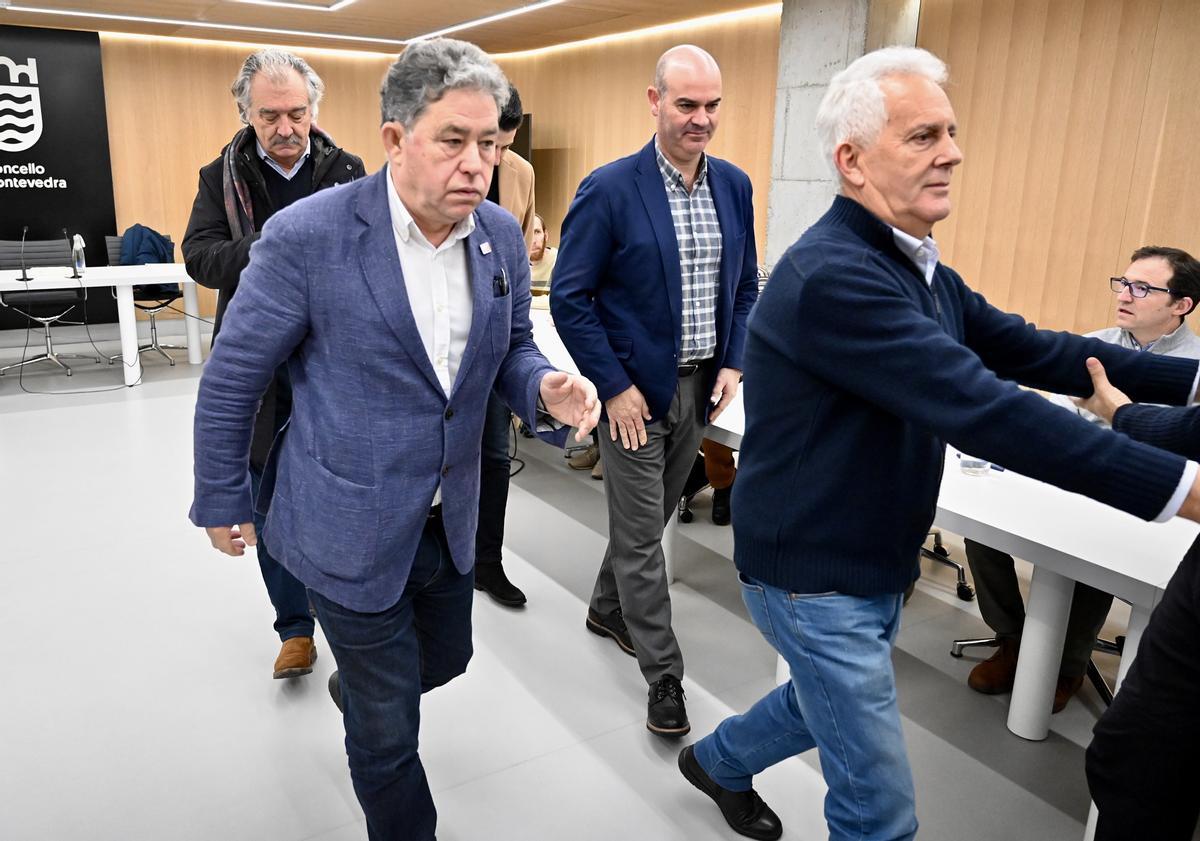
(685,100)
(684,59)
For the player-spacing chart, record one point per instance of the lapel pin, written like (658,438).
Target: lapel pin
(485,247)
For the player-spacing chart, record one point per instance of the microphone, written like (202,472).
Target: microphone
(71,249)
(24,275)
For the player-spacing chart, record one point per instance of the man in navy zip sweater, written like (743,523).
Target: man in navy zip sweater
(865,356)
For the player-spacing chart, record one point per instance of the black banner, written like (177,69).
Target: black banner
(55,170)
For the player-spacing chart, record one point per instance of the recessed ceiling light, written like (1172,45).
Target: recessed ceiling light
(520,10)
(327,6)
(199,24)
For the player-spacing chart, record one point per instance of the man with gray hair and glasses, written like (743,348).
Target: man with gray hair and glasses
(277,158)
(866,356)
(397,304)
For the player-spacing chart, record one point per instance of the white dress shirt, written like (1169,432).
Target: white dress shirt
(924,254)
(439,290)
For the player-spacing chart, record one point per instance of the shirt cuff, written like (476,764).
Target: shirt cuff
(1176,501)
(1196,387)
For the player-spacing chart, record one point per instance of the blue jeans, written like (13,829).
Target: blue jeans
(385,661)
(288,596)
(494,467)
(841,700)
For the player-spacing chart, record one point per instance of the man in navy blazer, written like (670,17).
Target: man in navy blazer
(397,302)
(654,281)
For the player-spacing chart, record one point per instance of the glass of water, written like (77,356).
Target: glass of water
(973,466)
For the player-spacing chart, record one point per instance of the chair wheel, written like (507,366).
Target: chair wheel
(686,516)
(68,372)
(966,593)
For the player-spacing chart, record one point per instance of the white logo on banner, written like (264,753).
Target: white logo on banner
(20,107)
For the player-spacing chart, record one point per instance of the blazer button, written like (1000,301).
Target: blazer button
(445,471)
(449,414)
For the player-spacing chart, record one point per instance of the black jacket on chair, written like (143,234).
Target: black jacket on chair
(214,258)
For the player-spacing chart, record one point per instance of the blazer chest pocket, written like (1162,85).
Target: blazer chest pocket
(500,316)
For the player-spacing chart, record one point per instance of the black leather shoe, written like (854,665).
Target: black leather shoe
(744,811)
(490,578)
(720,509)
(665,714)
(335,691)
(611,625)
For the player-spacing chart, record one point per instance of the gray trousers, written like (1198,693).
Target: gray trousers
(1004,611)
(643,488)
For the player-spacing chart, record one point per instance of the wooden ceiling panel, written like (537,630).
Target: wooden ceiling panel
(373,19)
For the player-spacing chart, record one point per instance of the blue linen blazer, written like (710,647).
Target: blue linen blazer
(351,479)
(617,296)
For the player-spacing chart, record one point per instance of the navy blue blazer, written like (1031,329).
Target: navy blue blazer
(617,296)
(372,432)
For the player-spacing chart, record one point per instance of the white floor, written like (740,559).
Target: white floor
(137,701)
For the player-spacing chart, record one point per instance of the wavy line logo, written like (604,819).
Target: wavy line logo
(20,107)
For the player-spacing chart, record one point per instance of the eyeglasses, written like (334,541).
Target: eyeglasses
(1136,288)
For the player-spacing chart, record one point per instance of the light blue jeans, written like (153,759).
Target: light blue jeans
(841,700)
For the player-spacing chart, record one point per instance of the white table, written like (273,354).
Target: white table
(124,278)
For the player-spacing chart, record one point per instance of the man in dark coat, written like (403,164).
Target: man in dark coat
(276,159)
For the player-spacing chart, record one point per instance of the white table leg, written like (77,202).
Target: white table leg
(1041,654)
(131,362)
(1139,618)
(191,306)
(783,672)
(669,538)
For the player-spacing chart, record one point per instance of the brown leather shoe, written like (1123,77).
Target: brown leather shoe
(296,657)
(1064,691)
(994,676)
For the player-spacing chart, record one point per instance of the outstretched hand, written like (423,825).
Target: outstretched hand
(1106,398)
(571,399)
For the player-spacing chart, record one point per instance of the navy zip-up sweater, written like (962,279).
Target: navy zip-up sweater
(857,374)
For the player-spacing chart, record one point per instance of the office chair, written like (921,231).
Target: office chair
(940,554)
(1101,686)
(45,306)
(162,295)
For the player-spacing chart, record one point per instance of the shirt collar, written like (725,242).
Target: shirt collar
(1166,339)
(406,227)
(923,252)
(672,177)
(275,165)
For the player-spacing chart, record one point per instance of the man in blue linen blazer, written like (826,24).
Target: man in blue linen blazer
(390,380)
(372,433)
(654,282)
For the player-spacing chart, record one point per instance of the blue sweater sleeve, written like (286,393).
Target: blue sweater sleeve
(858,326)
(1170,427)
(1055,361)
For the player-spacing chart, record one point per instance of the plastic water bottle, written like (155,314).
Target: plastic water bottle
(973,466)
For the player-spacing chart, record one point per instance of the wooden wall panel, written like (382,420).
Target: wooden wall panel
(170,112)
(589,105)
(1076,121)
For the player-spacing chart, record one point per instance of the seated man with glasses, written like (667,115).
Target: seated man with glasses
(1158,290)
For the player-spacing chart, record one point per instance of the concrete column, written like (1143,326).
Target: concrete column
(818,38)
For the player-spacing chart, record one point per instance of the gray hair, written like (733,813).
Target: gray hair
(276,64)
(426,70)
(854,109)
